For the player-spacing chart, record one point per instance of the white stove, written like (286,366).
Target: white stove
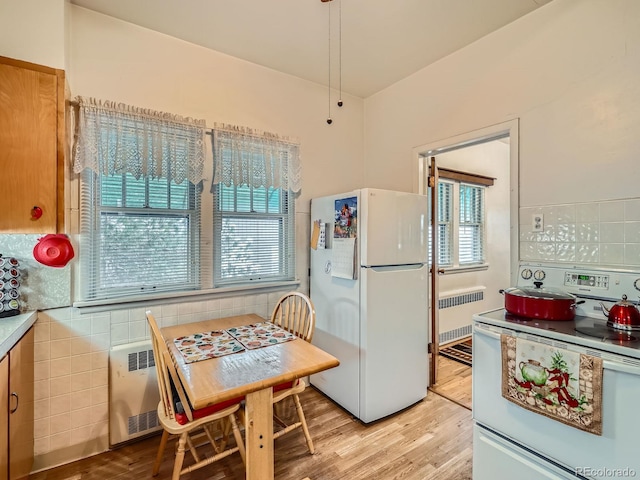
(512,442)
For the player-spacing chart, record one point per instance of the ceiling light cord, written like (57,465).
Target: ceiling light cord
(340,51)
(329,121)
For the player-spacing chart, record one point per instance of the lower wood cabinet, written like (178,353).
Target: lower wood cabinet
(16,420)
(4,418)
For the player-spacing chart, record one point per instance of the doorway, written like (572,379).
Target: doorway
(460,288)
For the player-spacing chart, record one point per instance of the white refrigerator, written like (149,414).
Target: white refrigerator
(372,315)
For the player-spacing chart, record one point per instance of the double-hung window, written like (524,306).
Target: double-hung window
(460,224)
(471,224)
(254,234)
(445,224)
(141,178)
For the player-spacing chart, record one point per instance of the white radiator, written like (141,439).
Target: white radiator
(133,392)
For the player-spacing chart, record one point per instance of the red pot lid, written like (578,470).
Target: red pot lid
(53,250)
(540,292)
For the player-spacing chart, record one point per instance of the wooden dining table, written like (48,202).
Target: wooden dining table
(250,373)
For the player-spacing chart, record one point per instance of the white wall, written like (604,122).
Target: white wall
(33,31)
(115,60)
(569,71)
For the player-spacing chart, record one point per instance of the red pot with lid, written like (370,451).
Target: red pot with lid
(624,315)
(540,303)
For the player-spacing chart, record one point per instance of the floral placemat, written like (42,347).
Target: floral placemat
(557,383)
(205,345)
(257,335)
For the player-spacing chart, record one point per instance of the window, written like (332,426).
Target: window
(140,200)
(445,223)
(144,235)
(460,224)
(254,236)
(147,227)
(471,225)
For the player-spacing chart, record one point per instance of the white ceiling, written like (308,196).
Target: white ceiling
(382,41)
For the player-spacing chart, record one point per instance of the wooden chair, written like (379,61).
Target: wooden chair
(295,313)
(178,418)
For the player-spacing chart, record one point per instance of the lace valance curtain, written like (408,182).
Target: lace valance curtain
(114,138)
(244,156)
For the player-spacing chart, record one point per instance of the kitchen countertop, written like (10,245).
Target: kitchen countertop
(13,328)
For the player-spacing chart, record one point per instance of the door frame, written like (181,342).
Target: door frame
(422,153)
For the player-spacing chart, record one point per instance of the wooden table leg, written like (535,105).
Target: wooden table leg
(259,435)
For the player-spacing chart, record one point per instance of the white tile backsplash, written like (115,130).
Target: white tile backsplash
(612,211)
(563,213)
(632,210)
(588,253)
(598,233)
(632,232)
(632,253)
(612,232)
(612,253)
(588,213)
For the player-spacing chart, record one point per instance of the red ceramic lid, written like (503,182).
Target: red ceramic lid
(53,250)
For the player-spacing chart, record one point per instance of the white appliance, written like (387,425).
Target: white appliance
(376,321)
(512,442)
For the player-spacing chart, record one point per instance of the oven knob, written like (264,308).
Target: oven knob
(527,274)
(539,275)
(637,284)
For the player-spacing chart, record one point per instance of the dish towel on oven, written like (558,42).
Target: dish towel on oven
(560,384)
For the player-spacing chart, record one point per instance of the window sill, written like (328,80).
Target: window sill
(95,306)
(464,269)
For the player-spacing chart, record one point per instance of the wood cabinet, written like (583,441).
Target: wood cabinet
(4,418)
(17,416)
(32,145)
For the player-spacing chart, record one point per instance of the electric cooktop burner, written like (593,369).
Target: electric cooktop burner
(604,332)
(580,326)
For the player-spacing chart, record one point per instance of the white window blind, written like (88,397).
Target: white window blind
(139,236)
(445,223)
(471,225)
(460,224)
(140,214)
(254,235)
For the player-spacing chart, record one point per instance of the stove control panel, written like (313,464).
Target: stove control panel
(577,279)
(603,284)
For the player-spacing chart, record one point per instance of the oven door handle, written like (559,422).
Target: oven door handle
(487,332)
(621,367)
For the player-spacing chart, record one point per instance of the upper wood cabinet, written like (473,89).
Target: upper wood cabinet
(32,145)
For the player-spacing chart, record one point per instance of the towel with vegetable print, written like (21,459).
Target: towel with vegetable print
(555,382)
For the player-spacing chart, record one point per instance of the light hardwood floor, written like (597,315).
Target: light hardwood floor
(430,440)
(454,381)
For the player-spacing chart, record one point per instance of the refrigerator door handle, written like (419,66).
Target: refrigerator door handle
(381,268)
